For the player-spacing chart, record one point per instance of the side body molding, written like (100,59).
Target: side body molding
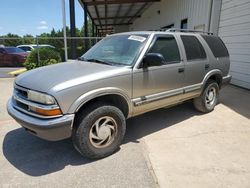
(83,99)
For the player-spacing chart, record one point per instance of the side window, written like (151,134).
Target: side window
(23,48)
(168,48)
(216,45)
(194,49)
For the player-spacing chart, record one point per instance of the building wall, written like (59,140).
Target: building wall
(234,29)
(228,18)
(168,12)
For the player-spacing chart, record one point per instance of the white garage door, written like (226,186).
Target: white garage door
(234,30)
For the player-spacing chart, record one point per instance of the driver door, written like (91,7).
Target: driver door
(160,85)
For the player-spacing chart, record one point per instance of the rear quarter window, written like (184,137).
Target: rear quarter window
(193,48)
(216,45)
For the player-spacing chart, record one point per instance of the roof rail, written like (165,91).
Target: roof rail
(187,30)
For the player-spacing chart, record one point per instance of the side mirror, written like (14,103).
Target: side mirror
(153,59)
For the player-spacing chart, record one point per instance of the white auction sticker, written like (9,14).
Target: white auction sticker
(137,38)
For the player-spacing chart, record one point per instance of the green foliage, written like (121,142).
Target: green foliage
(28,39)
(47,56)
(51,38)
(13,40)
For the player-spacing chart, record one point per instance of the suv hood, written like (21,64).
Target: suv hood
(65,75)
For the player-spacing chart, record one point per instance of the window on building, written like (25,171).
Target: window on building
(194,49)
(168,48)
(168,26)
(184,24)
(216,45)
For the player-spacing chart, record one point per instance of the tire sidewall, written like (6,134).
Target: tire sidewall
(209,86)
(85,125)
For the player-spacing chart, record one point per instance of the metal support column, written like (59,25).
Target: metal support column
(86,27)
(93,28)
(72,27)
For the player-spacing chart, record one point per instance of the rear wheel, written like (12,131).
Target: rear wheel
(99,131)
(209,97)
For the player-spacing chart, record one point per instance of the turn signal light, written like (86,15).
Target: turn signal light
(53,112)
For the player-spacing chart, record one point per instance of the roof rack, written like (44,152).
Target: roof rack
(187,30)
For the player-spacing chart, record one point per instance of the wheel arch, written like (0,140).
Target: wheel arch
(215,75)
(113,96)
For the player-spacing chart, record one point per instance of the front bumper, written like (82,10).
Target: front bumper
(48,129)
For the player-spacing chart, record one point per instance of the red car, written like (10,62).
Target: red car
(12,56)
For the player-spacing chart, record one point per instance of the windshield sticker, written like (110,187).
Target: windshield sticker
(137,38)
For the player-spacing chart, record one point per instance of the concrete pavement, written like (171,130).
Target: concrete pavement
(5,70)
(189,149)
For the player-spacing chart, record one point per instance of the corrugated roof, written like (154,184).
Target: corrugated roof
(106,14)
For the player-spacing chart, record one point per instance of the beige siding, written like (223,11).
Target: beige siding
(172,12)
(234,29)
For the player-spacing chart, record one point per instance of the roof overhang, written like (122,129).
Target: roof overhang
(107,14)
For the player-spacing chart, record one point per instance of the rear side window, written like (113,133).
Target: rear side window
(168,48)
(216,45)
(194,49)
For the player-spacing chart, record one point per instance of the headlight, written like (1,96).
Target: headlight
(40,97)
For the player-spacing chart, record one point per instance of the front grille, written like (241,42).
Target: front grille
(21,92)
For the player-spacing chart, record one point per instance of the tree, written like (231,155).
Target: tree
(28,39)
(12,40)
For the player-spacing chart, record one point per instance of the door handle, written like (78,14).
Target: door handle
(207,66)
(180,70)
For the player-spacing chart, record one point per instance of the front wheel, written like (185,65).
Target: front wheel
(209,97)
(99,131)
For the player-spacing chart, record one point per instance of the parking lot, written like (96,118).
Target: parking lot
(175,147)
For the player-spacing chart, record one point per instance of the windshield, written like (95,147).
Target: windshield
(14,50)
(118,49)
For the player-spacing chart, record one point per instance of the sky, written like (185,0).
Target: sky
(35,16)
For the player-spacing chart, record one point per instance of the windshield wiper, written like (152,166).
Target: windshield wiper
(99,61)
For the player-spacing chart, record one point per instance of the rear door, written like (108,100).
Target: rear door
(196,63)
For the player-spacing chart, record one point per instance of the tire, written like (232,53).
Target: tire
(95,144)
(208,99)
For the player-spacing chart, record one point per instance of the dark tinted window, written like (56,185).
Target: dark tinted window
(168,48)
(194,49)
(25,48)
(184,24)
(13,50)
(216,45)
